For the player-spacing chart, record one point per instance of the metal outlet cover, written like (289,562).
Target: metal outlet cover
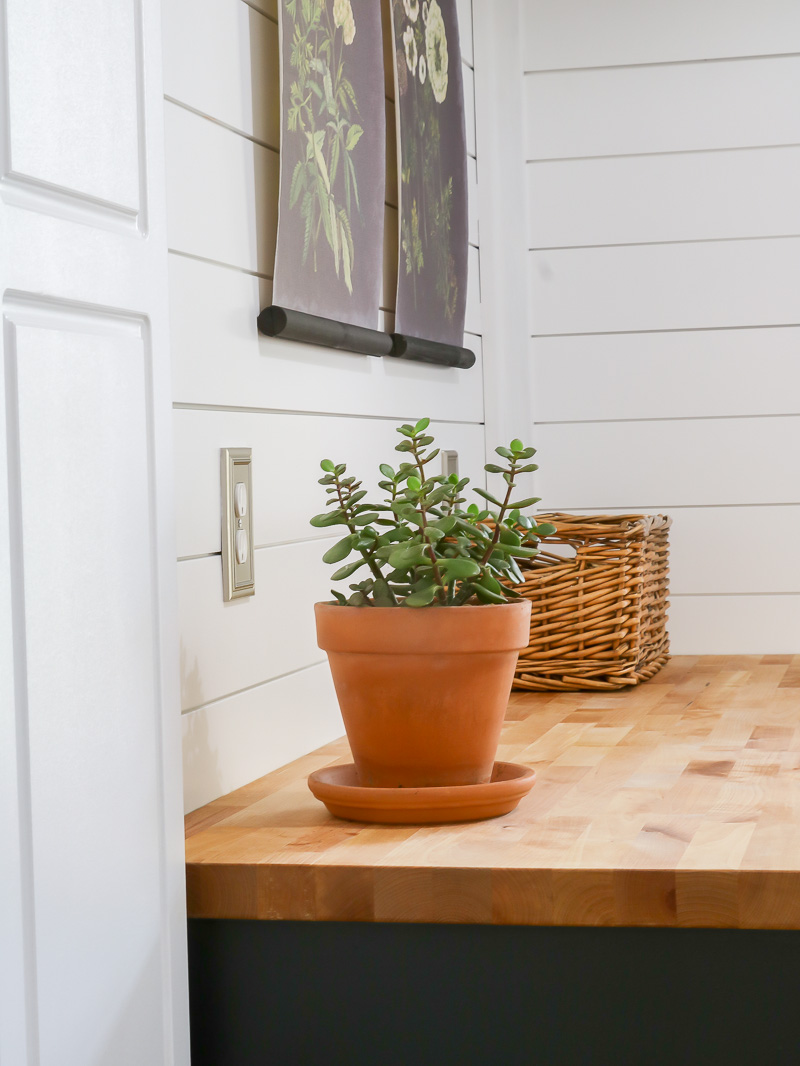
(238,578)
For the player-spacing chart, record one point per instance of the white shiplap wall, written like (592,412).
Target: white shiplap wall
(255,690)
(663,163)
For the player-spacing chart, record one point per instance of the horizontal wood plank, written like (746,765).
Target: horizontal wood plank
(655,465)
(287,449)
(682,197)
(222,193)
(687,107)
(235,740)
(667,286)
(472,202)
(718,625)
(473,319)
(675,803)
(464,9)
(645,375)
(469,109)
(228,647)
(219,358)
(719,551)
(580,33)
(222,59)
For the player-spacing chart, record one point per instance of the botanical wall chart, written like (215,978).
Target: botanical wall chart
(333,128)
(432,153)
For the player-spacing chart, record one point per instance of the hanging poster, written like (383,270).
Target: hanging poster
(432,186)
(329,253)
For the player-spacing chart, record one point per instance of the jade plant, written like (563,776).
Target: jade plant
(423,545)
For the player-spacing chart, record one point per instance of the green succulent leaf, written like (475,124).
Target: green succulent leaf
(487,595)
(332,518)
(508,536)
(514,571)
(408,556)
(524,553)
(348,569)
(422,543)
(459,569)
(422,597)
(492,584)
(488,496)
(340,550)
(382,594)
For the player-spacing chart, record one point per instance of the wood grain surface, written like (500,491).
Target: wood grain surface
(676,803)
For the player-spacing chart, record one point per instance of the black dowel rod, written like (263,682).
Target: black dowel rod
(423,351)
(312,329)
(293,325)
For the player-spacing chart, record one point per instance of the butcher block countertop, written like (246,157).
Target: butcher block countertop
(676,803)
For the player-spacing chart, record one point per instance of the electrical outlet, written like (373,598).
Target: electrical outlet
(238,578)
(449,463)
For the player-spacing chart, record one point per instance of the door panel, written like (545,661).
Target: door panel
(73,98)
(92,971)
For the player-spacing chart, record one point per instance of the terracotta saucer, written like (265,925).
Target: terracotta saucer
(339,790)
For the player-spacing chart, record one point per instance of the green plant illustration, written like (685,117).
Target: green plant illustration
(412,244)
(427,195)
(321,113)
(420,544)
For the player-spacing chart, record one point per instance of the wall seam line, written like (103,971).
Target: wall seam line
(178,406)
(250,688)
(666,151)
(661,418)
(666,329)
(699,61)
(219,122)
(657,244)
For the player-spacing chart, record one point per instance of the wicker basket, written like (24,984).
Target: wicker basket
(599,617)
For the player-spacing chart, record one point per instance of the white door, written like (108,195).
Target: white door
(92,931)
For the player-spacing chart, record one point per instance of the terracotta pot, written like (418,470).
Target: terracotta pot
(423,692)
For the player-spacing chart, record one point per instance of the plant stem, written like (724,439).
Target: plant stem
(369,559)
(499,523)
(437,577)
